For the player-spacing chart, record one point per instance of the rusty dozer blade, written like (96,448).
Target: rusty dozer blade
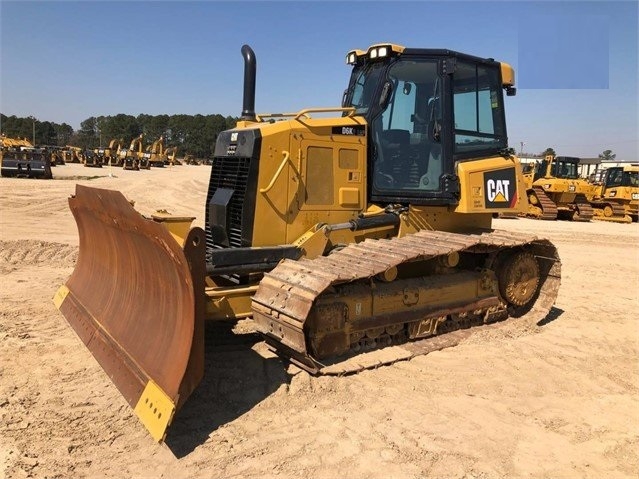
(135,300)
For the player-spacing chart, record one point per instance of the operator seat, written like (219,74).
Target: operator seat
(395,143)
(395,152)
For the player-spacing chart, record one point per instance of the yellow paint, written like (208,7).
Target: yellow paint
(155,410)
(349,197)
(228,302)
(60,295)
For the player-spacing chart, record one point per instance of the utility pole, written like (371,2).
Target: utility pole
(33,119)
(521,148)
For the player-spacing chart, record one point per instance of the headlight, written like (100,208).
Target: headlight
(547,186)
(635,196)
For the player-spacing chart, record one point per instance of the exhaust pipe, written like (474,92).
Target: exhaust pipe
(250,64)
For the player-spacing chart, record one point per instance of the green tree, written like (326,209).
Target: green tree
(607,155)
(120,127)
(63,134)
(548,151)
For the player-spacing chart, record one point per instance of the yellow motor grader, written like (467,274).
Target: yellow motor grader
(618,190)
(354,236)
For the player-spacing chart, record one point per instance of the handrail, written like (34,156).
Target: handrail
(277,174)
(305,112)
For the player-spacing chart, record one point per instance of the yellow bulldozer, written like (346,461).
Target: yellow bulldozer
(353,236)
(555,190)
(616,198)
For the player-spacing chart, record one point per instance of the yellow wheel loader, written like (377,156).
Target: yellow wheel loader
(353,239)
(617,197)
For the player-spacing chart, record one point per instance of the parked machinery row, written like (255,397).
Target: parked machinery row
(136,157)
(555,191)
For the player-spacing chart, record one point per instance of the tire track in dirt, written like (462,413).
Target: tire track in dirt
(36,252)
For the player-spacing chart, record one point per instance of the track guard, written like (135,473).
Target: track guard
(136,301)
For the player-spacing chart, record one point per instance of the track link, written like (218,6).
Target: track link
(287,295)
(548,206)
(609,211)
(583,210)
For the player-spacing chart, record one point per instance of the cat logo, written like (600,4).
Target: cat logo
(497,190)
(500,188)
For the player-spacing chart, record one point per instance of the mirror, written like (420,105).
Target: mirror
(385,96)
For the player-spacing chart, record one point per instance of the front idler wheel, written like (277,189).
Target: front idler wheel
(519,281)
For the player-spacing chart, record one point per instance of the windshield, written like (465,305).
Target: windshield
(630,178)
(618,177)
(566,169)
(362,87)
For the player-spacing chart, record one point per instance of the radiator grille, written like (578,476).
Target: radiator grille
(229,172)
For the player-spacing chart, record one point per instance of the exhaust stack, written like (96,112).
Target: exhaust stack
(250,64)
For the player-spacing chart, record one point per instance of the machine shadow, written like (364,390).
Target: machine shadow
(236,378)
(553,314)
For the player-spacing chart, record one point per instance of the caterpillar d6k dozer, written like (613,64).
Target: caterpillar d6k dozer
(617,197)
(556,191)
(352,239)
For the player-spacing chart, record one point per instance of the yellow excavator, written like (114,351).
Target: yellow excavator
(170,156)
(157,153)
(619,190)
(106,156)
(72,154)
(353,239)
(134,158)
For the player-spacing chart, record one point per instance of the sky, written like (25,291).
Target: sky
(576,62)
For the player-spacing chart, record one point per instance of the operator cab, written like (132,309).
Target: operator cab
(426,110)
(620,176)
(566,167)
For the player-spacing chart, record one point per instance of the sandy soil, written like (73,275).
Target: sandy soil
(554,399)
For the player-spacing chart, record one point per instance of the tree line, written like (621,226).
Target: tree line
(192,134)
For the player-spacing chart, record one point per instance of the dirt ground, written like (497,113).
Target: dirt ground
(554,399)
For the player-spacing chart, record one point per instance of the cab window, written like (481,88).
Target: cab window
(479,122)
